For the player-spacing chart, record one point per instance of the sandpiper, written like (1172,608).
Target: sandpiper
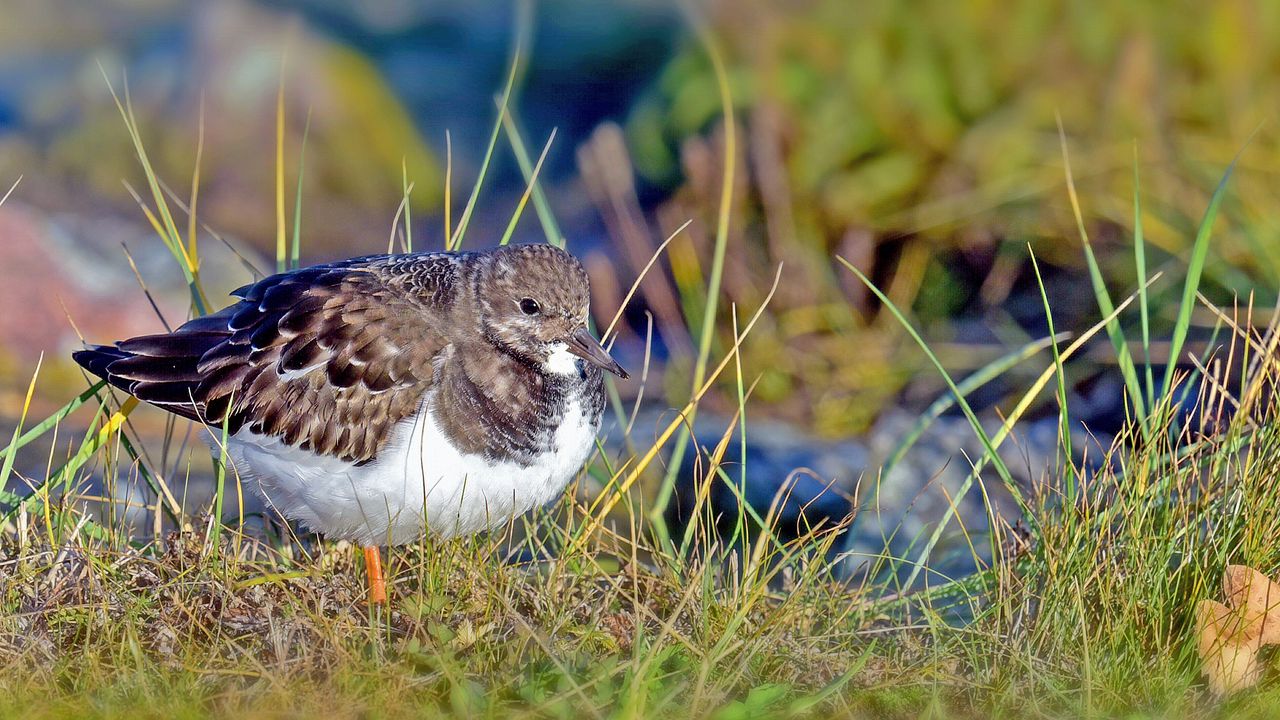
(378,398)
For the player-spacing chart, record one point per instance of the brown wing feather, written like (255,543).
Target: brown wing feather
(327,358)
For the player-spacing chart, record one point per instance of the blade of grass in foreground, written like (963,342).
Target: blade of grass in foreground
(48,423)
(657,513)
(395,222)
(530,184)
(220,486)
(407,187)
(1001,468)
(193,250)
(517,54)
(545,216)
(808,703)
(91,444)
(1006,428)
(715,462)
(1199,253)
(742,425)
(1064,416)
(448,187)
(1114,331)
(9,192)
(165,226)
(17,430)
(282,251)
(295,249)
(1140,264)
(981,377)
(155,482)
(619,485)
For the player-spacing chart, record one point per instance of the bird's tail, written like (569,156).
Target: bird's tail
(96,359)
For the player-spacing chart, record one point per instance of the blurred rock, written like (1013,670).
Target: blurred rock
(68,273)
(812,483)
(50,279)
(803,483)
(900,509)
(223,59)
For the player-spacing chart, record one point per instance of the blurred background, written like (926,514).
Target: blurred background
(916,138)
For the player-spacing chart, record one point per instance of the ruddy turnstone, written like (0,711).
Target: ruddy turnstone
(378,398)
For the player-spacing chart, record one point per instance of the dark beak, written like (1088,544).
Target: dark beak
(582,344)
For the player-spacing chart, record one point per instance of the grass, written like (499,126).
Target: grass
(1082,607)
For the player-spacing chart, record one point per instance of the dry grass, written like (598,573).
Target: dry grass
(181,624)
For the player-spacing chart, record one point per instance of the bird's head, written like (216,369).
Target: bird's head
(533,301)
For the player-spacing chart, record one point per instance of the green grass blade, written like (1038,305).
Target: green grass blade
(977,379)
(50,422)
(742,418)
(92,442)
(1190,382)
(193,250)
(220,482)
(164,225)
(530,184)
(295,248)
(448,187)
(1114,331)
(1064,418)
(7,467)
(517,55)
(169,504)
(1199,253)
(1006,428)
(1140,264)
(282,251)
(981,377)
(806,704)
(1001,469)
(663,498)
(546,217)
(945,402)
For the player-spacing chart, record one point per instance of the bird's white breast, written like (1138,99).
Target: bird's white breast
(419,481)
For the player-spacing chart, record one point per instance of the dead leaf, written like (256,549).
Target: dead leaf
(1258,599)
(1228,653)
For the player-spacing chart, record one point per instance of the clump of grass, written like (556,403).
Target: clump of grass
(591,630)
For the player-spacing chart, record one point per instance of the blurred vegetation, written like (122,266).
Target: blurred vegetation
(366,141)
(919,140)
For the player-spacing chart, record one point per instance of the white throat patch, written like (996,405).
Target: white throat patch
(561,361)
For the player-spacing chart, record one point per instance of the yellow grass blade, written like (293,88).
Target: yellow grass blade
(606,502)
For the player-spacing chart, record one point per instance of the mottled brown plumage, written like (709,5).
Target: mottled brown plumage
(330,358)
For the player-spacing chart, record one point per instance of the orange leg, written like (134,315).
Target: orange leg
(377,583)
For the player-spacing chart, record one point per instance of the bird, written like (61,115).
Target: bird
(384,397)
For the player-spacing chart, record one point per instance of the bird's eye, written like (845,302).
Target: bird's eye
(529,306)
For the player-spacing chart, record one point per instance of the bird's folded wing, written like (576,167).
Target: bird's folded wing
(327,359)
